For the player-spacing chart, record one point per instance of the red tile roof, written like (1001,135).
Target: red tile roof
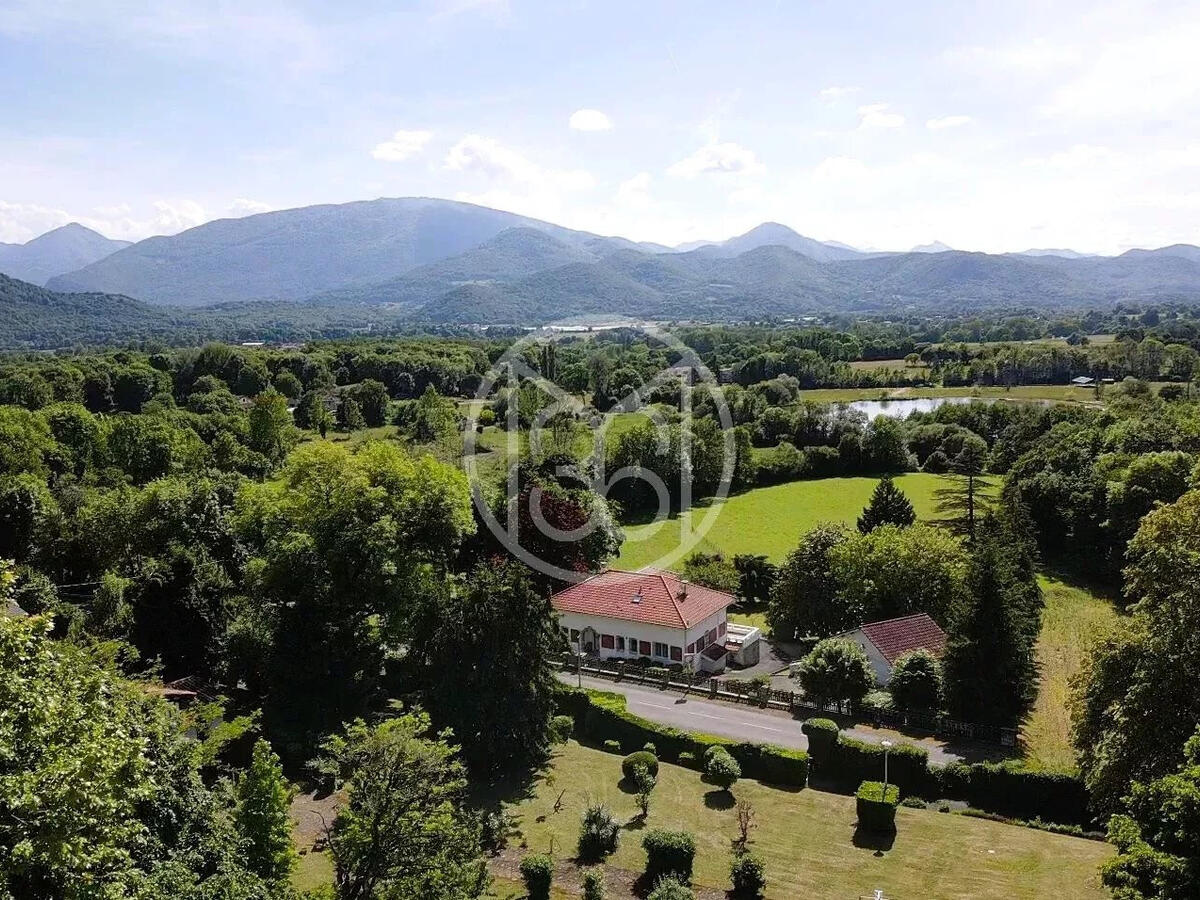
(895,637)
(665,598)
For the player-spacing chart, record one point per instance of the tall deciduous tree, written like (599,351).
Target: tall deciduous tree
(835,670)
(404,831)
(804,599)
(888,506)
(488,669)
(1137,701)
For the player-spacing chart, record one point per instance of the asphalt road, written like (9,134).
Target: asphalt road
(743,723)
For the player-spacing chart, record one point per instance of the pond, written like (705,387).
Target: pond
(898,409)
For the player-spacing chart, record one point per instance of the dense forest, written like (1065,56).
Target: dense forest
(291,529)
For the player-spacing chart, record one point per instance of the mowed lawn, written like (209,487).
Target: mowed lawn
(767,520)
(807,839)
(1073,620)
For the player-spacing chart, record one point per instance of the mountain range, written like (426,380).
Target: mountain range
(62,250)
(428,260)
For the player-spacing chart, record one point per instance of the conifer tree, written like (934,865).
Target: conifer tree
(888,506)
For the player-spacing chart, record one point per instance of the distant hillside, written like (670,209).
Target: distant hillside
(440,261)
(296,253)
(62,250)
(772,234)
(32,316)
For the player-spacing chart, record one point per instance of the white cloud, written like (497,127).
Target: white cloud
(943,122)
(243,207)
(1035,57)
(725,158)
(839,168)
(487,156)
(403,145)
(590,120)
(20,222)
(876,115)
(634,193)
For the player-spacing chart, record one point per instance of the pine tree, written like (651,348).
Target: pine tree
(990,672)
(263,796)
(888,506)
(966,499)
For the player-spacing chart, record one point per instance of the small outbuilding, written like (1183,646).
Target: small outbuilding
(1083,381)
(886,641)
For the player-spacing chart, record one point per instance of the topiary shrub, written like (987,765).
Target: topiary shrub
(561,728)
(670,889)
(748,876)
(650,748)
(669,853)
(687,759)
(876,809)
(598,832)
(593,885)
(640,758)
(720,768)
(822,737)
(612,746)
(916,681)
(537,871)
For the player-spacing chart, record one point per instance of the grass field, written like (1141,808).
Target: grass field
(807,839)
(767,520)
(1073,619)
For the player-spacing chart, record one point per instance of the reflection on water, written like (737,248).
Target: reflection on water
(898,409)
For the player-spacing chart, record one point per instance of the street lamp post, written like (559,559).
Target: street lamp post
(887,748)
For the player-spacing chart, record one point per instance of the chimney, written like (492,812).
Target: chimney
(637,598)
(683,586)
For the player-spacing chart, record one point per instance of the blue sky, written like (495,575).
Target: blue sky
(991,126)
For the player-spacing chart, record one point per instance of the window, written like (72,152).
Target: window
(712,636)
(574,636)
(721,628)
(606,641)
(660,650)
(700,643)
(644,648)
(677,654)
(620,642)
(691,649)
(632,642)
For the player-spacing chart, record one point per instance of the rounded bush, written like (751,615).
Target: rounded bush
(561,728)
(650,748)
(721,768)
(669,853)
(612,746)
(537,871)
(687,759)
(748,876)
(640,758)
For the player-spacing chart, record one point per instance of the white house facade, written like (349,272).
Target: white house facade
(885,642)
(655,615)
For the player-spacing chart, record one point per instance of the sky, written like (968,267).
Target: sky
(994,126)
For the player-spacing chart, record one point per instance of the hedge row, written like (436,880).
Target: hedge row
(876,807)
(601,716)
(840,763)
(1003,788)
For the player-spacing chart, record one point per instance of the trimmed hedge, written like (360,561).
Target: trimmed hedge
(601,717)
(876,809)
(853,762)
(640,758)
(561,728)
(1008,789)
(822,736)
(669,853)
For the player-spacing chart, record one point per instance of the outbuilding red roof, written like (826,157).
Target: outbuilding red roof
(895,637)
(654,598)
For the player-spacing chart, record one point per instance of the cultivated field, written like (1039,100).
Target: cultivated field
(807,839)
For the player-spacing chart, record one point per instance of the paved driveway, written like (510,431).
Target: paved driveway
(733,720)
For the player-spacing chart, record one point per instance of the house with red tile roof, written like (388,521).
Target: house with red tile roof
(886,641)
(652,614)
